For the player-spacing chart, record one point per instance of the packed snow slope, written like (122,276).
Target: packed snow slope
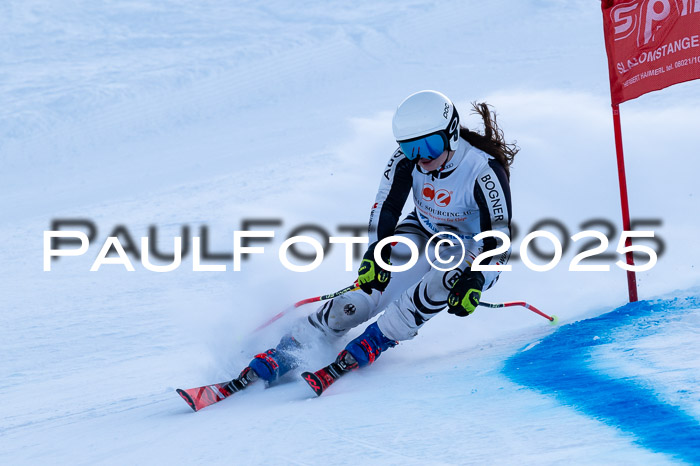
(177,115)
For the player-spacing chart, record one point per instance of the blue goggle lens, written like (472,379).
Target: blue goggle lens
(429,147)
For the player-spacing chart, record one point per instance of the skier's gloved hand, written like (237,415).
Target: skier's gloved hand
(370,275)
(465,293)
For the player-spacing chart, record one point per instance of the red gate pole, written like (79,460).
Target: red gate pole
(631,276)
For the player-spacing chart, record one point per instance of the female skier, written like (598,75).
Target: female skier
(459,181)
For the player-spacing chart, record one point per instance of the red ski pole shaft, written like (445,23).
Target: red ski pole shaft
(324,297)
(532,308)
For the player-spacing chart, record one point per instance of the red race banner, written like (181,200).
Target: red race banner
(651,44)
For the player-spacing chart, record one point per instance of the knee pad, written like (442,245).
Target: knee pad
(439,283)
(403,317)
(345,312)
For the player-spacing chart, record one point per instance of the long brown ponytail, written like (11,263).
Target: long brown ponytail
(492,141)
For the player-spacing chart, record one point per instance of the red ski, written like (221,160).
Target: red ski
(323,378)
(319,380)
(201,397)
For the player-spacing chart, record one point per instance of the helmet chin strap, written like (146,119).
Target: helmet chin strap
(442,167)
(447,159)
(454,123)
(435,173)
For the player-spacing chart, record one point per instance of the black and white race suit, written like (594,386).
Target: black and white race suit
(469,195)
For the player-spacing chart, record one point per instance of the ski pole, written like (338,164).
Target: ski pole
(552,319)
(324,297)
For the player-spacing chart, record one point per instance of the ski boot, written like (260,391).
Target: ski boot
(267,366)
(277,361)
(360,352)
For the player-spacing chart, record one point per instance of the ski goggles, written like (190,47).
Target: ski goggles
(425,147)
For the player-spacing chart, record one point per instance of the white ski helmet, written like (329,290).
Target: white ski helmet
(424,114)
